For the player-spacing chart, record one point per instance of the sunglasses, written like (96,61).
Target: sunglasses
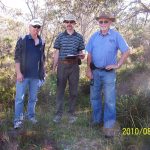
(36,26)
(72,21)
(103,22)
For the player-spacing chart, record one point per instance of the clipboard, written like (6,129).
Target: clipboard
(71,56)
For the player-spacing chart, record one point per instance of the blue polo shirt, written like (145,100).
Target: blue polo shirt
(69,44)
(104,48)
(33,55)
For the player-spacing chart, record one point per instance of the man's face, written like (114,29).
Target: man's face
(104,23)
(34,29)
(69,24)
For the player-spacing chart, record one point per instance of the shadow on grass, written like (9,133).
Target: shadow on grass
(29,137)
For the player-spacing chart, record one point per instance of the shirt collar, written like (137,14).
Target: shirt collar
(74,33)
(108,33)
(30,38)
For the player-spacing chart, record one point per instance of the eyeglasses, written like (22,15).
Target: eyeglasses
(103,22)
(36,26)
(72,21)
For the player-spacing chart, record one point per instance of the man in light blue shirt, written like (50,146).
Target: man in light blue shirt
(102,62)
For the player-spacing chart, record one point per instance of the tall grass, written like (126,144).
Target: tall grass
(133,111)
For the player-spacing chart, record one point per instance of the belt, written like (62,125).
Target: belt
(104,69)
(69,61)
(93,67)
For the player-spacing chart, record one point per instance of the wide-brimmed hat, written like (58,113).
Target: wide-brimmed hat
(106,15)
(69,17)
(36,22)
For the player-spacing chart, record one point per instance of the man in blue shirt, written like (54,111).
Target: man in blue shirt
(102,62)
(69,45)
(29,64)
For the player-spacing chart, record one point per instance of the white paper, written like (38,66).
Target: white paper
(75,55)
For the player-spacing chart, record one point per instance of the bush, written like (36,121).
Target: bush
(48,91)
(7,88)
(133,111)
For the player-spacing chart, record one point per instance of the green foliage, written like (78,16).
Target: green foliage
(124,75)
(133,111)
(48,90)
(7,88)
(64,135)
(7,80)
(84,94)
(84,86)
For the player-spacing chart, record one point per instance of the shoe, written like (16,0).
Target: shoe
(72,119)
(109,132)
(57,119)
(95,125)
(18,124)
(33,120)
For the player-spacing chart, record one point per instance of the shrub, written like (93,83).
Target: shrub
(133,110)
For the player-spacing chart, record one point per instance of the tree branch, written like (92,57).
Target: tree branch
(27,2)
(145,7)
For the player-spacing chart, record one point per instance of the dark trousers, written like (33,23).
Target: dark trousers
(70,73)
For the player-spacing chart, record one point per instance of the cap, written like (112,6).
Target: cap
(36,22)
(69,17)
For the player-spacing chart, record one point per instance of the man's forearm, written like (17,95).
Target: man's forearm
(89,71)
(123,58)
(55,62)
(89,60)
(17,67)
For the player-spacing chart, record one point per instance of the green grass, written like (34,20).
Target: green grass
(132,111)
(63,136)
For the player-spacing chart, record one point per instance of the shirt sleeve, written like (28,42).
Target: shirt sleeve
(81,45)
(89,46)
(17,56)
(122,44)
(57,42)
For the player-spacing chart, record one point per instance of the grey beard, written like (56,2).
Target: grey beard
(104,28)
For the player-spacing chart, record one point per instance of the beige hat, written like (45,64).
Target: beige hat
(69,17)
(106,15)
(36,22)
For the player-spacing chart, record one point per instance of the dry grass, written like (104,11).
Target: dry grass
(64,136)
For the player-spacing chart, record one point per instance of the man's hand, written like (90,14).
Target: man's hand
(20,77)
(89,73)
(123,58)
(82,56)
(109,67)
